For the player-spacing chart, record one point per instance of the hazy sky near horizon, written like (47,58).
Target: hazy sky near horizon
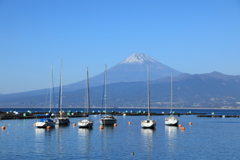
(191,36)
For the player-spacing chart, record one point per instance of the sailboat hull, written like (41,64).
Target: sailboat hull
(43,123)
(85,123)
(149,123)
(108,120)
(171,121)
(62,121)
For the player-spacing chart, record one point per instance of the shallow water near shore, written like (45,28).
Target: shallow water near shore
(206,138)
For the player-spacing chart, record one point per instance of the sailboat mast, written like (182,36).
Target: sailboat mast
(148,85)
(105,89)
(88,96)
(60,89)
(171,94)
(51,77)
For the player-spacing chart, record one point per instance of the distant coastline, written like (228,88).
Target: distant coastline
(126,108)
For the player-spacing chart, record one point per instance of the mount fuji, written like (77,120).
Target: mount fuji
(132,69)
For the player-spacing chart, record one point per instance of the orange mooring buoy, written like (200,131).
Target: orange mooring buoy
(129,123)
(115,124)
(3,127)
(74,124)
(190,123)
(34,124)
(179,125)
(182,128)
(101,127)
(48,127)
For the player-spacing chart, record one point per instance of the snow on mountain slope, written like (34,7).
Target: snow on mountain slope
(138,58)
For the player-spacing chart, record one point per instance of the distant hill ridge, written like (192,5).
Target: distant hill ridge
(205,76)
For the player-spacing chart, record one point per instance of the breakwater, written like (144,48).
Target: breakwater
(13,115)
(219,116)
(23,113)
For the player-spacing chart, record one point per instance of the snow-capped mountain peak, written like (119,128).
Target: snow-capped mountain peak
(138,58)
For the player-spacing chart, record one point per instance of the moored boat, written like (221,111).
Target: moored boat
(148,123)
(171,120)
(107,119)
(61,119)
(44,122)
(87,122)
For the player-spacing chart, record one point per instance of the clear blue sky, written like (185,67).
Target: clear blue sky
(192,36)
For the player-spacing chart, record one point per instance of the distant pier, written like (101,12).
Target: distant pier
(36,115)
(219,116)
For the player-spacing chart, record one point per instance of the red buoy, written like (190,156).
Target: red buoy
(182,128)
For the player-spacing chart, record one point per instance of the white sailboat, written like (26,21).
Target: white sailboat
(148,123)
(86,123)
(44,122)
(107,119)
(171,120)
(61,119)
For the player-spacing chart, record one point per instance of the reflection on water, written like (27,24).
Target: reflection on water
(147,132)
(171,133)
(39,132)
(60,139)
(43,140)
(147,137)
(107,134)
(42,133)
(84,141)
(82,132)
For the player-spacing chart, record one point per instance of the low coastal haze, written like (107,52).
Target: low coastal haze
(193,37)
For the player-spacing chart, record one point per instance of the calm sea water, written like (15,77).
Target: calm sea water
(206,138)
